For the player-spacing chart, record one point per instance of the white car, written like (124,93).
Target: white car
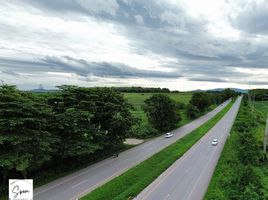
(168,135)
(215,142)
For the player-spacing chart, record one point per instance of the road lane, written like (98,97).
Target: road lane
(101,172)
(189,176)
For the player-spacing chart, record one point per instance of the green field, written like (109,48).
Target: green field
(262,107)
(137,100)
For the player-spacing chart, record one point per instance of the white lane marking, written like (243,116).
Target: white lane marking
(167,197)
(74,186)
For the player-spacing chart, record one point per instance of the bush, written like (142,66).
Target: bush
(201,100)
(143,130)
(180,105)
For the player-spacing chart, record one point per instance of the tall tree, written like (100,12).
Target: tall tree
(161,112)
(110,111)
(25,141)
(201,100)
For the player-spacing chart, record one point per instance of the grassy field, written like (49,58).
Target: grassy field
(132,182)
(262,107)
(137,100)
(223,185)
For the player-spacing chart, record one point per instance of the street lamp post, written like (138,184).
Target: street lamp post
(265,138)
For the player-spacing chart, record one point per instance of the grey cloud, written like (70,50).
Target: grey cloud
(207,79)
(257,82)
(84,7)
(9,72)
(81,67)
(167,31)
(104,69)
(252,17)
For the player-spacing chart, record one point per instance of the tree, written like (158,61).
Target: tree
(192,111)
(25,141)
(77,135)
(228,93)
(161,112)
(201,100)
(110,111)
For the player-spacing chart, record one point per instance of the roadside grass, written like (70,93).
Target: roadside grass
(222,185)
(132,182)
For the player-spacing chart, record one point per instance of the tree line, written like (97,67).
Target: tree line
(259,94)
(201,101)
(36,129)
(164,113)
(142,90)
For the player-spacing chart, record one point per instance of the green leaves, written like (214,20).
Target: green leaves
(201,101)
(23,126)
(39,130)
(161,112)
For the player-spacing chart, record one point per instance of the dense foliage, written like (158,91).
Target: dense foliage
(39,130)
(161,112)
(201,101)
(24,126)
(142,90)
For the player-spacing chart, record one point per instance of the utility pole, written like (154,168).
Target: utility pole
(253,104)
(265,140)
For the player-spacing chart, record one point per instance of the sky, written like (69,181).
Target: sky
(178,44)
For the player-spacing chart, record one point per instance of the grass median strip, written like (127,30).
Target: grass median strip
(132,182)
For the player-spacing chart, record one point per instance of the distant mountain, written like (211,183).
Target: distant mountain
(42,90)
(235,89)
(221,89)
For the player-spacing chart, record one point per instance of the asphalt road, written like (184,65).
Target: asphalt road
(189,177)
(86,180)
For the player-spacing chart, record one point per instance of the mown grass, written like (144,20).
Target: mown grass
(137,100)
(132,182)
(222,185)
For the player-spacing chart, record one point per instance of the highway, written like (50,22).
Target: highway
(82,182)
(189,177)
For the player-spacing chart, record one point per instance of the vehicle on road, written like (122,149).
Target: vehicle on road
(168,135)
(215,142)
(115,155)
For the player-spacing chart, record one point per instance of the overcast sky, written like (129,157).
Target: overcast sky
(179,44)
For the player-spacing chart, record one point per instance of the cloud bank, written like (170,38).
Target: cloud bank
(182,44)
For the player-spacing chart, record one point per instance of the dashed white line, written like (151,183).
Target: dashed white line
(74,186)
